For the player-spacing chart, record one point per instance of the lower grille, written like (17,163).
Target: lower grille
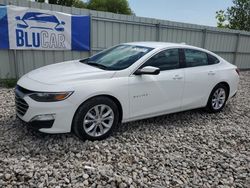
(21,105)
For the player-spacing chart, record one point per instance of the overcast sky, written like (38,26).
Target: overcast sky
(189,11)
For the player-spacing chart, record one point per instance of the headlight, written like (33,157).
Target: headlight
(50,97)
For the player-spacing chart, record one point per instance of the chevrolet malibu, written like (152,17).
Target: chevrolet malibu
(127,82)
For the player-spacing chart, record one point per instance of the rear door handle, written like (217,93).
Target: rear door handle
(211,73)
(177,77)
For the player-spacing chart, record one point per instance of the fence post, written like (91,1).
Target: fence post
(15,65)
(236,48)
(158,31)
(204,36)
(91,38)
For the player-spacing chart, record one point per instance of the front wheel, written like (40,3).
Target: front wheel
(96,119)
(217,98)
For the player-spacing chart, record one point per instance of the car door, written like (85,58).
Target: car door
(151,95)
(200,78)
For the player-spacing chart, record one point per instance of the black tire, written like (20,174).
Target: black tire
(209,106)
(81,112)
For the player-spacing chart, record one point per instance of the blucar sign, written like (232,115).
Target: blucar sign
(27,28)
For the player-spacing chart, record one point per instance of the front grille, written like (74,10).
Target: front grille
(21,105)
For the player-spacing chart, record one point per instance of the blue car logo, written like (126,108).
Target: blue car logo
(40,20)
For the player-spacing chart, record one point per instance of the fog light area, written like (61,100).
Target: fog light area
(44,117)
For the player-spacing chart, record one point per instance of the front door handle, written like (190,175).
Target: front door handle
(177,77)
(211,73)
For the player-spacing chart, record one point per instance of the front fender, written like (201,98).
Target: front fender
(114,87)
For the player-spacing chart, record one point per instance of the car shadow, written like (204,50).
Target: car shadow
(174,120)
(167,121)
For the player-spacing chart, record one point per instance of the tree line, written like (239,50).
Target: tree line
(115,6)
(236,16)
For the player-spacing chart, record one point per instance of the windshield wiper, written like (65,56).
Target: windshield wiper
(84,60)
(92,63)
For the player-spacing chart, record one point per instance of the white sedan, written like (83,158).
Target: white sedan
(127,82)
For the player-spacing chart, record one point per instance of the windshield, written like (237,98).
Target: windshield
(117,58)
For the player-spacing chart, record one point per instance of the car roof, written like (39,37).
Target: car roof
(162,45)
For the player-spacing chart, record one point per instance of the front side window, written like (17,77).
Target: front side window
(195,58)
(165,60)
(117,58)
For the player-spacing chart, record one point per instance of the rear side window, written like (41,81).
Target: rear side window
(165,60)
(195,58)
(212,60)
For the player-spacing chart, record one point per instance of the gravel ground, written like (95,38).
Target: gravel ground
(188,149)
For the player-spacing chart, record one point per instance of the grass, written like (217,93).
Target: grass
(9,83)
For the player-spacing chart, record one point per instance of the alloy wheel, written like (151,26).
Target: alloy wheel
(98,120)
(219,98)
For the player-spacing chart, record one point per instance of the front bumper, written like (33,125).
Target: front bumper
(234,95)
(63,112)
(38,124)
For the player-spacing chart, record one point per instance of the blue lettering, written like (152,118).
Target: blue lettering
(39,40)
(19,37)
(27,40)
(36,39)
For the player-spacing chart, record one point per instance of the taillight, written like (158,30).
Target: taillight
(238,71)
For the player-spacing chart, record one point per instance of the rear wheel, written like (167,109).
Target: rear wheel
(217,98)
(96,119)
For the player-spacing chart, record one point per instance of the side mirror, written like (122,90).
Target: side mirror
(18,18)
(148,70)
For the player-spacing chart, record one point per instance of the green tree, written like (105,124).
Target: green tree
(70,3)
(235,17)
(115,6)
(79,4)
(221,19)
(40,1)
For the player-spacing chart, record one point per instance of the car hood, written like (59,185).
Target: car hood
(71,71)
